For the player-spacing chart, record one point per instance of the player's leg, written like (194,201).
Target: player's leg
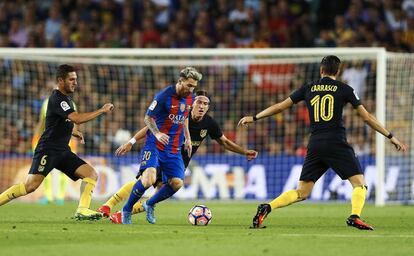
(286,198)
(292,196)
(312,170)
(172,167)
(122,194)
(157,185)
(147,179)
(357,201)
(42,164)
(116,217)
(75,168)
(89,177)
(343,161)
(31,183)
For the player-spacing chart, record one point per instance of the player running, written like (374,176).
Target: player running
(200,125)
(52,150)
(328,146)
(167,121)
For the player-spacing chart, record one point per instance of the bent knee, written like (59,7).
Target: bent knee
(86,171)
(31,187)
(92,174)
(176,183)
(149,177)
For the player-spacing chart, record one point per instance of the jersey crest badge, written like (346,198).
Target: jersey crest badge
(182,107)
(64,105)
(41,168)
(203,133)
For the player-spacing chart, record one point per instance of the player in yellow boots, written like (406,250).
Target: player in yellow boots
(49,196)
(52,150)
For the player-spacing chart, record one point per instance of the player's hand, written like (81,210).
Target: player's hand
(251,154)
(122,150)
(398,144)
(108,107)
(188,147)
(79,135)
(163,138)
(245,121)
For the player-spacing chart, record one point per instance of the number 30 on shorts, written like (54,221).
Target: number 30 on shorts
(146,156)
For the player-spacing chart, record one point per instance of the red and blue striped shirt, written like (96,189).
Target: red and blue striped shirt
(169,111)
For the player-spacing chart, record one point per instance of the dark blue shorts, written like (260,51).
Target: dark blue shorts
(171,165)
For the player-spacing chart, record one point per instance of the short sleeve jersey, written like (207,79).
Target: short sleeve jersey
(198,132)
(169,111)
(325,99)
(58,128)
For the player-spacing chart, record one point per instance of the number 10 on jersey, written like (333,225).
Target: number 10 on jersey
(323,107)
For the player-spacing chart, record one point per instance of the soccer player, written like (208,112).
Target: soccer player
(48,181)
(53,151)
(328,147)
(200,125)
(167,122)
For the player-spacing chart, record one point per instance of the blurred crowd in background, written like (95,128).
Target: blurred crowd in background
(242,91)
(192,24)
(207,23)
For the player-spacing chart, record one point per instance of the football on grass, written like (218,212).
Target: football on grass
(199,215)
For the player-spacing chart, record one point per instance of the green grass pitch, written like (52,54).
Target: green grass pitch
(301,229)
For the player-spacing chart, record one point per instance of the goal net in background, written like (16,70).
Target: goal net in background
(241,82)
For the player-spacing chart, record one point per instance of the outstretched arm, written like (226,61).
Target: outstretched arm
(270,111)
(125,148)
(234,147)
(187,143)
(376,125)
(79,118)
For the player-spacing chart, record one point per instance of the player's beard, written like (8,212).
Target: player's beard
(69,89)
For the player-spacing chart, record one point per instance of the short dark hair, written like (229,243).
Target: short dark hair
(330,65)
(203,93)
(63,70)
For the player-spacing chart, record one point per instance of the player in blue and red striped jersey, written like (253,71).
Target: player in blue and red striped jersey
(167,121)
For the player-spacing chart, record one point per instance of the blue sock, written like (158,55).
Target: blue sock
(137,191)
(165,192)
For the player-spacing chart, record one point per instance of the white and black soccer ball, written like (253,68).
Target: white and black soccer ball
(200,215)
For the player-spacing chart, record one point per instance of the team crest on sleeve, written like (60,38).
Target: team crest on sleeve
(153,105)
(182,107)
(203,133)
(64,105)
(356,95)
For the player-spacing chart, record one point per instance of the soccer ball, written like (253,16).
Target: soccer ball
(200,215)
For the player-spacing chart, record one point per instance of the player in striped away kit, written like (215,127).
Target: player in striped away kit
(328,146)
(167,121)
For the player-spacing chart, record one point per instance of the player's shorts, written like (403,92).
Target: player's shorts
(171,165)
(44,161)
(335,154)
